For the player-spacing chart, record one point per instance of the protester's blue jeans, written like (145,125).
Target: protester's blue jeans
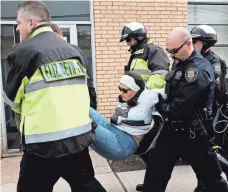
(111,142)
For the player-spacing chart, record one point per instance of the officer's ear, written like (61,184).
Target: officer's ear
(32,24)
(189,44)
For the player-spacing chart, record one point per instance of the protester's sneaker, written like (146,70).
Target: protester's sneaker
(94,126)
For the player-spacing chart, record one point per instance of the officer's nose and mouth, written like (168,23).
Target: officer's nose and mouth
(130,41)
(174,51)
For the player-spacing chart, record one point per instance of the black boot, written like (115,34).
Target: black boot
(200,188)
(139,187)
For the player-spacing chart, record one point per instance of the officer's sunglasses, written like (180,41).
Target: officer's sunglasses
(123,90)
(175,51)
(194,41)
(128,39)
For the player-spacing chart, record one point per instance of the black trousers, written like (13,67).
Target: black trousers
(175,144)
(39,175)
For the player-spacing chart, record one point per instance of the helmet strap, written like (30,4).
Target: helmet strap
(205,48)
(139,42)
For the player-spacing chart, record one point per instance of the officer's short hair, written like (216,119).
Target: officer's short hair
(56,29)
(34,9)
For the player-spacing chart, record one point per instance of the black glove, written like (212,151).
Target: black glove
(93,98)
(115,119)
(161,102)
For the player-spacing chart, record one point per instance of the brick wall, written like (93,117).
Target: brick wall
(1,146)
(158,16)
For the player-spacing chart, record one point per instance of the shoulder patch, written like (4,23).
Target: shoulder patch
(178,75)
(218,68)
(191,74)
(139,51)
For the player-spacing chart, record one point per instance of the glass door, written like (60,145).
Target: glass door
(10,134)
(69,33)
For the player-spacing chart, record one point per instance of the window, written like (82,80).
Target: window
(60,10)
(215,16)
(84,40)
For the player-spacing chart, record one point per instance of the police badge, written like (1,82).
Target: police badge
(191,74)
(218,68)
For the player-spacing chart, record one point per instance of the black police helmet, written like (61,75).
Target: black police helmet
(133,30)
(204,33)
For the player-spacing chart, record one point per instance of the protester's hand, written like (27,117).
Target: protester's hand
(115,119)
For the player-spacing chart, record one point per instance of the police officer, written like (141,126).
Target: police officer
(92,91)
(46,86)
(204,37)
(147,59)
(145,56)
(188,89)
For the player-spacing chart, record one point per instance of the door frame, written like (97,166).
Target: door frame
(73,32)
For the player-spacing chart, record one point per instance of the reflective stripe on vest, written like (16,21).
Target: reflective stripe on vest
(12,104)
(140,66)
(160,72)
(142,71)
(16,104)
(39,30)
(56,103)
(39,138)
(43,84)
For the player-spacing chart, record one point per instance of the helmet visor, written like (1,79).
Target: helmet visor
(124,37)
(194,36)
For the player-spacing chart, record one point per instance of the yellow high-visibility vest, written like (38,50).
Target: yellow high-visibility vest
(54,103)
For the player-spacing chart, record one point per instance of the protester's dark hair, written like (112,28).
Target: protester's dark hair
(34,9)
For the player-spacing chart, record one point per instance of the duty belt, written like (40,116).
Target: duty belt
(177,125)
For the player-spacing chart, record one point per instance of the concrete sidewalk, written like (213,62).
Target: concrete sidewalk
(183,178)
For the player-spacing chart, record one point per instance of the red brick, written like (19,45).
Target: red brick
(120,4)
(98,7)
(105,3)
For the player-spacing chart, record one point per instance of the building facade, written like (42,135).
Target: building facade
(96,26)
